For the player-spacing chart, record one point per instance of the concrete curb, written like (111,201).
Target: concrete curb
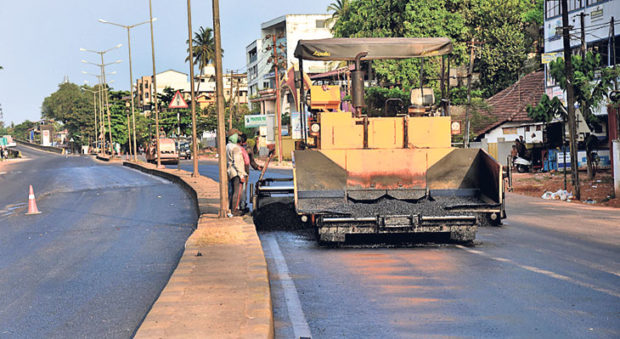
(41,148)
(220,288)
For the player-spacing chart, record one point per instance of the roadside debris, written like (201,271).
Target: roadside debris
(559,195)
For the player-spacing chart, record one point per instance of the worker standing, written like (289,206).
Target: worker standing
(236,172)
(249,161)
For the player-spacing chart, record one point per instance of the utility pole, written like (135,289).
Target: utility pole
(278,109)
(237,97)
(192,93)
(582,22)
(230,114)
(154,87)
(467,108)
(219,88)
(572,126)
(613,52)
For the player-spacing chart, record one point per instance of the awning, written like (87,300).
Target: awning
(377,48)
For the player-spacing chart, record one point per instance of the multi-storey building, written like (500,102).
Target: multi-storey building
(204,86)
(288,30)
(600,19)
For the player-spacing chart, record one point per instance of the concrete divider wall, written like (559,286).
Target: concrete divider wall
(41,147)
(220,288)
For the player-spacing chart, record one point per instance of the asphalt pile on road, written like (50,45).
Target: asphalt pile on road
(439,206)
(277,215)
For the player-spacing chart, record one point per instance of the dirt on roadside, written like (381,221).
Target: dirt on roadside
(598,192)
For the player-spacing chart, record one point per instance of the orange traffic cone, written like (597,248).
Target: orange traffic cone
(32,203)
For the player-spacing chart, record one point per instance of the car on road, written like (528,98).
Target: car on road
(167,150)
(184,149)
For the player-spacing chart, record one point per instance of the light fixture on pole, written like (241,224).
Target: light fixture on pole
(102,65)
(133,115)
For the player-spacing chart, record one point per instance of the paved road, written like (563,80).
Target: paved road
(96,258)
(553,271)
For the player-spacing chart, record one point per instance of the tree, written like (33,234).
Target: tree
(338,8)
(503,31)
(591,85)
(410,18)
(507,32)
(203,48)
(73,107)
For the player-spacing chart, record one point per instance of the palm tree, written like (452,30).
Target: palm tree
(203,47)
(338,8)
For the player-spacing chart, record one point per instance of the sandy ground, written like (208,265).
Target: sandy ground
(598,191)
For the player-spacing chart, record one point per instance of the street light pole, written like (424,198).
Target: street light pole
(221,140)
(94,111)
(191,76)
(107,102)
(133,115)
(101,101)
(154,87)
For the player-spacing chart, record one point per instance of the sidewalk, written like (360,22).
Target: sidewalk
(220,289)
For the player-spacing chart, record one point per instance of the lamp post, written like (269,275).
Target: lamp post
(102,65)
(105,89)
(94,110)
(133,115)
(191,76)
(101,113)
(154,87)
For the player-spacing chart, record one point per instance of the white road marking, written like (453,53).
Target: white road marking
(544,272)
(295,313)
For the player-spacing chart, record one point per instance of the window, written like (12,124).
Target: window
(575,4)
(320,24)
(552,9)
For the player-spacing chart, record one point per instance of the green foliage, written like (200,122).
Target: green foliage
(546,110)
(503,29)
(376,96)
(73,107)
(591,83)
(458,95)
(20,131)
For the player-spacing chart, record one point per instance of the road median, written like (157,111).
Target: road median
(220,288)
(52,149)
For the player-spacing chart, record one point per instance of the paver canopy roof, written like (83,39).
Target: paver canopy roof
(377,48)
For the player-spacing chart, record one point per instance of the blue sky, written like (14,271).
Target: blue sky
(40,41)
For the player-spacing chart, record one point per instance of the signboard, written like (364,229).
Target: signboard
(177,101)
(296,126)
(455,127)
(45,137)
(256,120)
(548,57)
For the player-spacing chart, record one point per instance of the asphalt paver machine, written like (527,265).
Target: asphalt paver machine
(394,174)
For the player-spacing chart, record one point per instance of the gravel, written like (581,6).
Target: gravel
(388,206)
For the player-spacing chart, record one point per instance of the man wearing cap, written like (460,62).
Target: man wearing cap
(235,170)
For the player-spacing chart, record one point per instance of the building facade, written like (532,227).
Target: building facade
(600,19)
(288,30)
(236,90)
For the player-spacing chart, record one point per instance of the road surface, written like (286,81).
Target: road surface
(552,270)
(96,258)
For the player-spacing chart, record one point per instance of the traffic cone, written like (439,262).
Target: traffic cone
(32,203)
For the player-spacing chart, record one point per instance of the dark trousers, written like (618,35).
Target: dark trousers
(234,193)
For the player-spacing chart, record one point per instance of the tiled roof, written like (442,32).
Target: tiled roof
(511,103)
